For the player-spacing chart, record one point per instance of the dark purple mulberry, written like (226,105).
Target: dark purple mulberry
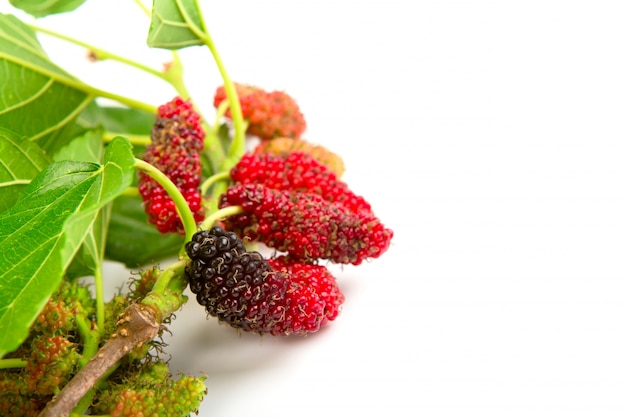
(236,286)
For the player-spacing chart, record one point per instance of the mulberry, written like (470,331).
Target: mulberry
(298,172)
(269,114)
(179,399)
(305,225)
(52,363)
(69,301)
(177,139)
(253,294)
(236,286)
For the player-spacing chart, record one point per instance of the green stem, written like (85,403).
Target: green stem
(172,74)
(139,140)
(219,188)
(90,338)
(237,146)
(11,363)
(135,104)
(142,7)
(84,403)
(131,192)
(98,53)
(189,223)
(176,269)
(167,293)
(89,91)
(204,187)
(99,298)
(220,214)
(213,148)
(221,110)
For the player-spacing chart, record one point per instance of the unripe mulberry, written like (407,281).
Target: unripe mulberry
(150,391)
(269,114)
(298,172)
(286,146)
(53,361)
(177,139)
(305,225)
(68,302)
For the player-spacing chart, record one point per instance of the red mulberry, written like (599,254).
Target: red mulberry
(298,172)
(305,225)
(316,277)
(269,114)
(177,139)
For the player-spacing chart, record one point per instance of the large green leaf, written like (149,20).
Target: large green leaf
(132,240)
(20,162)
(176,24)
(38,100)
(40,8)
(40,234)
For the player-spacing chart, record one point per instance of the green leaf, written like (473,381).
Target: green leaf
(176,24)
(38,100)
(132,240)
(20,162)
(40,8)
(91,254)
(120,120)
(40,234)
(88,148)
(117,119)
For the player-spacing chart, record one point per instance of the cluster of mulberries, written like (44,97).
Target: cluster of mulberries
(239,287)
(53,353)
(177,139)
(296,205)
(269,114)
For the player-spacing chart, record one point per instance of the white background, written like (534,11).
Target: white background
(490,136)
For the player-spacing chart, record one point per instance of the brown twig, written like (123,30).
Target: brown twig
(138,324)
